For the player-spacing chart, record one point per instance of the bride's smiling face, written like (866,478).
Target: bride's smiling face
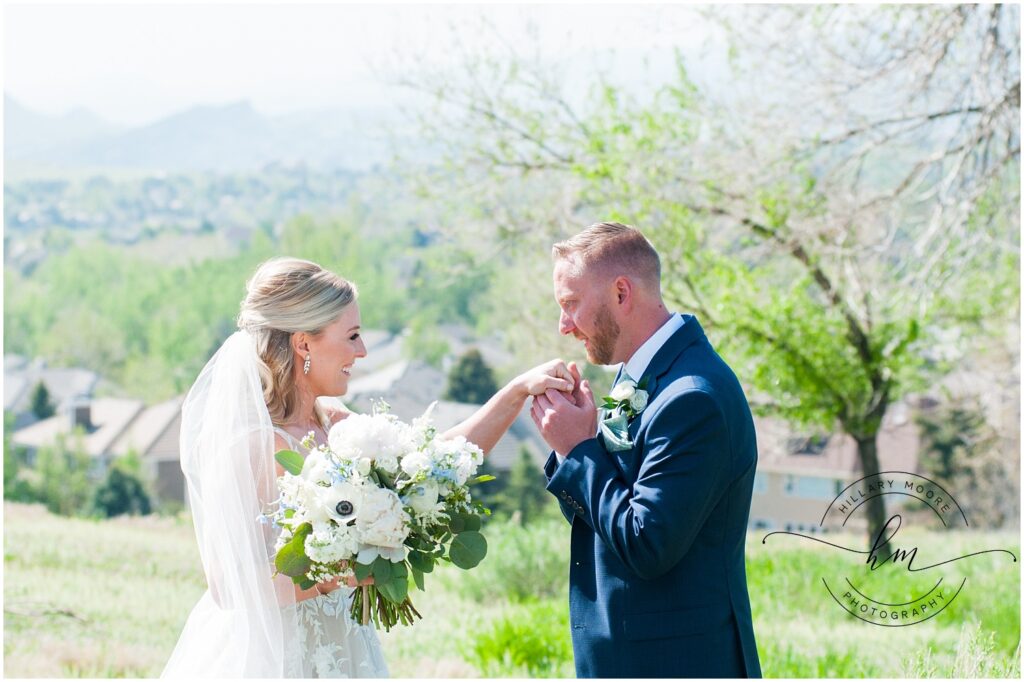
(332,354)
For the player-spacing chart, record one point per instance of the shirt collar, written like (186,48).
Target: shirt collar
(641,359)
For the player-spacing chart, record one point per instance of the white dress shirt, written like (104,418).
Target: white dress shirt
(641,359)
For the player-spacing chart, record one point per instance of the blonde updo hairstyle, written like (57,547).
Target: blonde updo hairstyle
(286,296)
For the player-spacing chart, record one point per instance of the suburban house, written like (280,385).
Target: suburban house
(113,427)
(798,476)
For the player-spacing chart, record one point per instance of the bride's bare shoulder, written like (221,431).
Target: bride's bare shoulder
(280,443)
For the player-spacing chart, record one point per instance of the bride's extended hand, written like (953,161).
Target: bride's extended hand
(327,586)
(554,374)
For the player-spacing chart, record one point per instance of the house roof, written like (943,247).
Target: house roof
(64,383)
(109,416)
(407,382)
(146,429)
(14,388)
(461,338)
(14,362)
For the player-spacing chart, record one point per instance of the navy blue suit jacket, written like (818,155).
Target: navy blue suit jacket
(657,581)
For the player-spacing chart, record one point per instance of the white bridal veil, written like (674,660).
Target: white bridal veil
(240,627)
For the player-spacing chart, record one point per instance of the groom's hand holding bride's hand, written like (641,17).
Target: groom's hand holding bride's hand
(566,419)
(552,375)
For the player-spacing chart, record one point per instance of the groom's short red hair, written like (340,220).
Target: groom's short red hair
(613,249)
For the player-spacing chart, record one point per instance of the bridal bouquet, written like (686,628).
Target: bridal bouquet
(381,499)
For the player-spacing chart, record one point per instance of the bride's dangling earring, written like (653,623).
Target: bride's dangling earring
(305,365)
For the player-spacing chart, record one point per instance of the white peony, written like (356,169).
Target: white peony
(379,437)
(381,521)
(623,390)
(639,401)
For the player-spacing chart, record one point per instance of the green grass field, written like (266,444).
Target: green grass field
(108,598)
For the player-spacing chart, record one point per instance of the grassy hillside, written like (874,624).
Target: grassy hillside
(108,599)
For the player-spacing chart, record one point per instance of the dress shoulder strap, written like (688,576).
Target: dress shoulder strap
(288,438)
(293,442)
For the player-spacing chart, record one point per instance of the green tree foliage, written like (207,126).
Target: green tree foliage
(517,494)
(62,479)
(950,436)
(42,406)
(471,379)
(122,492)
(17,486)
(10,458)
(524,491)
(959,449)
(150,327)
(425,342)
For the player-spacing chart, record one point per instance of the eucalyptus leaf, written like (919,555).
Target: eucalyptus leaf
(290,460)
(381,570)
(421,562)
(468,549)
(291,559)
(417,575)
(470,522)
(362,571)
(400,571)
(395,590)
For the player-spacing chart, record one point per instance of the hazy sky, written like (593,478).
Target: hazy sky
(134,63)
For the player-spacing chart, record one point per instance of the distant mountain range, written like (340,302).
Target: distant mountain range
(233,137)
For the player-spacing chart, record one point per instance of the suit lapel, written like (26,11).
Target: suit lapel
(690,333)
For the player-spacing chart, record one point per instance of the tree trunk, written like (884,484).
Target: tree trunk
(867,450)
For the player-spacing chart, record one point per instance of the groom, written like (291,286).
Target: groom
(659,499)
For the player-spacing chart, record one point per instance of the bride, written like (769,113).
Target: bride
(298,338)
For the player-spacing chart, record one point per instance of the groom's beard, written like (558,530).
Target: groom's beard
(601,349)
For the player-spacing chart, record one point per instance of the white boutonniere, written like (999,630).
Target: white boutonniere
(628,398)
